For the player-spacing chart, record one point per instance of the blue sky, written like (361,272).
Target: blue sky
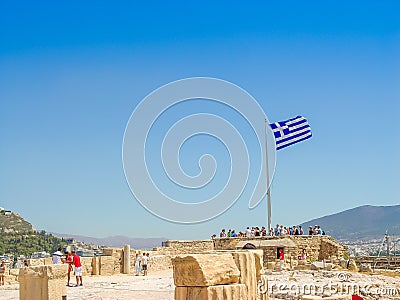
(71,74)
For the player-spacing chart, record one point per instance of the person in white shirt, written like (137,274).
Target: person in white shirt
(145,261)
(248,232)
(57,256)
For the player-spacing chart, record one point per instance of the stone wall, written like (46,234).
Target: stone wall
(317,247)
(111,261)
(331,249)
(40,261)
(184,247)
(312,245)
(87,265)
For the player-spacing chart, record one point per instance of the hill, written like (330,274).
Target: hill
(365,221)
(18,236)
(116,241)
(13,222)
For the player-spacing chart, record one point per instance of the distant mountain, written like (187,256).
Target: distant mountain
(116,241)
(361,222)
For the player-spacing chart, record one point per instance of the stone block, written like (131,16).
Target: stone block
(14,272)
(366,268)
(262,288)
(46,282)
(216,292)
(96,265)
(48,261)
(352,266)
(107,265)
(302,267)
(87,267)
(205,270)
(246,263)
(271,265)
(319,265)
(259,260)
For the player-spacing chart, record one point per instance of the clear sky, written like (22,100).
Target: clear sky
(71,74)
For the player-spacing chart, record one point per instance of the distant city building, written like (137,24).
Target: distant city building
(41,254)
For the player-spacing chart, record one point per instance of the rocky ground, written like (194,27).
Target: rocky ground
(292,284)
(282,285)
(158,285)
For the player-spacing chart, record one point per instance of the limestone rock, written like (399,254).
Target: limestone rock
(319,265)
(44,271)
(259,260)
(271,265)
(343,263)
(366,268)
(107,265)
(14,272)
(205,270)
(246,262)
(46,282)
(352,266)
(215,292)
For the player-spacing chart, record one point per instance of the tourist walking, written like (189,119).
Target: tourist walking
(76,261)
(137,264)
(145,261)
(2,272)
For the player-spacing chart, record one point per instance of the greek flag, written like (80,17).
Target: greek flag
(291,132)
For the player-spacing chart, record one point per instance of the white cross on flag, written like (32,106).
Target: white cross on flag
(291,131)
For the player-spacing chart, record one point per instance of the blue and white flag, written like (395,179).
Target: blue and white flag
(291,132)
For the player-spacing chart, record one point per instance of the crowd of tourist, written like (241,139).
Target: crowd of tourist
(279,230)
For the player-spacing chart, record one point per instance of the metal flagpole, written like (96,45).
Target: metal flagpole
(267,172)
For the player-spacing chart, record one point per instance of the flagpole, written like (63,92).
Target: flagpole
(267,173)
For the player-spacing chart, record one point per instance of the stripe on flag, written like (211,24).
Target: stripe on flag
(291,132)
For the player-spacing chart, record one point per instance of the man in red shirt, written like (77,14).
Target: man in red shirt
(76,261)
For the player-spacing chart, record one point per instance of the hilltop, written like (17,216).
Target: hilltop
(13,222)
(365,221)
(18,237)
